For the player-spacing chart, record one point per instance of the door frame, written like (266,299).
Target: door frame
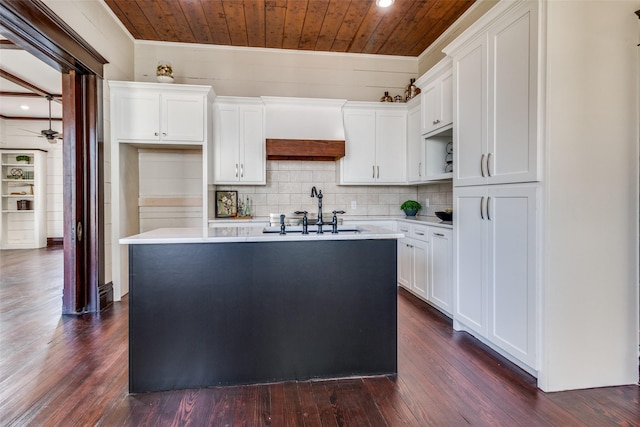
(35,28)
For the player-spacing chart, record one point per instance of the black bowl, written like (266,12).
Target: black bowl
(445,216)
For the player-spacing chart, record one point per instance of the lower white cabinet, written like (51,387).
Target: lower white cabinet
(424,264)
(495,266)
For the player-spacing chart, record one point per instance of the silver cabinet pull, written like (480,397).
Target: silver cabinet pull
(419,233)
(373,168)
(481,203)
(378,171)
(438,234)
(241,170)
(420,169)
(236,170)
(488,204)
(156,133)
(164,134)
(488,163)
(482,165)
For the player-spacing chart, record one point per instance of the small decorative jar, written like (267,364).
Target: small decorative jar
(386,98)
(164,72)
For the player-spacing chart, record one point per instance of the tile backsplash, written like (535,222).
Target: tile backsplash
(289,188)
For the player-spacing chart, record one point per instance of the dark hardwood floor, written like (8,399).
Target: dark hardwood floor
(72,371)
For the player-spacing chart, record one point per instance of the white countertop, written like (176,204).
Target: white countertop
(250,233)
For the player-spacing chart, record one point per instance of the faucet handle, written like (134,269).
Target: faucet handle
(338,212)
(301,213)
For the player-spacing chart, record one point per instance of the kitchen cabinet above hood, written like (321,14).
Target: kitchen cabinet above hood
(304,128)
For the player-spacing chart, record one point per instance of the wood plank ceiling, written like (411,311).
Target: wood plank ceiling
(406,28)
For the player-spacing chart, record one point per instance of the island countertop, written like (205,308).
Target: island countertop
(252,234)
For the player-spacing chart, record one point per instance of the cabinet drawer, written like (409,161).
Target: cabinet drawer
(420,232)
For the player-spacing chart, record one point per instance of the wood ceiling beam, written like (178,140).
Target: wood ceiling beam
(53,119)
(8,44)
(30,87)
(28,95)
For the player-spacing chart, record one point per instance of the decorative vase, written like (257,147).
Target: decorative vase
(410,212)
(164,72)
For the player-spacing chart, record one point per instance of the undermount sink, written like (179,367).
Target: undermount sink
(312,229)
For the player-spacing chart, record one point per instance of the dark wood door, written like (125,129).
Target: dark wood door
(35,28)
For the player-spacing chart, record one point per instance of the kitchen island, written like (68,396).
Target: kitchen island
(224,306)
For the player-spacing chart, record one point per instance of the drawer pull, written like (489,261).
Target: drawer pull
(419,233)
(482,165)
(488,163)
(481,203)
(438,234)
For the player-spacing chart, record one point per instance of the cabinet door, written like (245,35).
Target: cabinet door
(470,68)
(391,147)
(446,99)
(415,147)
(470,258)
(419,268)
(226,157)
(183,117)
(252,149)
(430,107)
(137,115)
(404,263)
(513,139)
(358,164)
(440,269)
(512,274)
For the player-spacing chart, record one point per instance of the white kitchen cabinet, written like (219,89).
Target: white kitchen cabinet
(23,216)
(413,261)
(436,87)
(495,266)
(415,143)
(495,101)
(238,156)
(440,268)
(376,143)
(154,112)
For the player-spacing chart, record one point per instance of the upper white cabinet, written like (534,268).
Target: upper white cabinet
(495,101)
(153,112)
(495,266)
(23,216)
(437,104)
(376,144)
(415,143)
(238,155)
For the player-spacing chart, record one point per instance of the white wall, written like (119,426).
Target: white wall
(96,24)
(277,72)
(20,134)
(590,285)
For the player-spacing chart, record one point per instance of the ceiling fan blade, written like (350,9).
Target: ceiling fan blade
(31,131)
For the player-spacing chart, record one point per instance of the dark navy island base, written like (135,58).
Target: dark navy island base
(208,314)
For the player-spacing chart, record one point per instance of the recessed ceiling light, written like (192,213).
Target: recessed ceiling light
(384,3)
(24,107)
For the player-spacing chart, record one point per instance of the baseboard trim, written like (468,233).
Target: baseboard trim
(54,241)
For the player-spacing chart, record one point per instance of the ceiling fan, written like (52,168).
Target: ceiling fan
(50,134)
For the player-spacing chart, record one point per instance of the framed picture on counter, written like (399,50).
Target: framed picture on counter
(226,204)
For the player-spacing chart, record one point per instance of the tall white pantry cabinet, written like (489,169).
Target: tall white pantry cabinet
(495,193)
(23,216)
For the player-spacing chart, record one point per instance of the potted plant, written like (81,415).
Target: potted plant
(410,207)
(22,159)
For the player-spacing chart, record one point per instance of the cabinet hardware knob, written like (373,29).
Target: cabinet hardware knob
(156,133)
(481,203)
(164,134)
(482,165)
(488,163)
(488,204)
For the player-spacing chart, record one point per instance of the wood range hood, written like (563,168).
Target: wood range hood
(304,128)
(323,150)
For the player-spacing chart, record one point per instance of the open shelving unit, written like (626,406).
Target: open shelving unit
(23,213)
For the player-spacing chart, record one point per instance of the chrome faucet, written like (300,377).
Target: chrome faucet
(318,194)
